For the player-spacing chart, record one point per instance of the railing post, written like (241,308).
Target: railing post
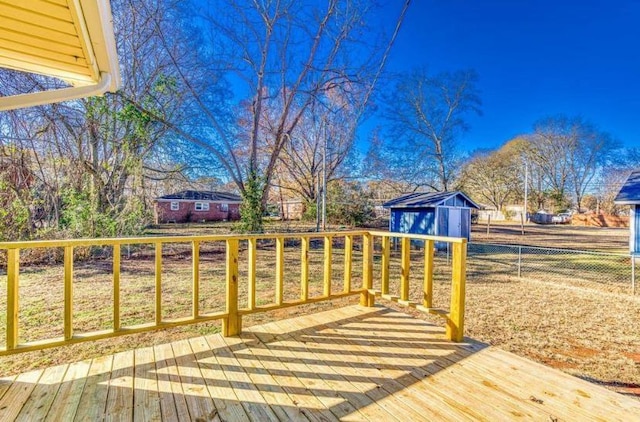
(384,273)
(367,299)
(304,269)
(455,322)
(427,299)
(232,323)
(348,259)
(251,256)
(328,251)
(13,270)
(279,270)
(195,270)
(116,287)
(158,276)
(68,292)
(405,265)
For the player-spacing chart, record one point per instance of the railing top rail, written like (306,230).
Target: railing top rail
(212,238)
(168,239)
(418,236)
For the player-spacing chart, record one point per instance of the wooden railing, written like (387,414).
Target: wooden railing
(232,315)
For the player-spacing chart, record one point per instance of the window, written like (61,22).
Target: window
(224,207)
(175,206)
(202,206)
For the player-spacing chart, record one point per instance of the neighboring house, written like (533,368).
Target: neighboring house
(630,195)
(437,214)
(197,206)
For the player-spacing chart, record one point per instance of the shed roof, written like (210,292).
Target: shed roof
(630,192)
(427,200)
(72,40)
(198,195)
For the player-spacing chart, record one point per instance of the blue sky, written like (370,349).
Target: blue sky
(534,59)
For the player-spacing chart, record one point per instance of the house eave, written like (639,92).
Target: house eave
(73,42)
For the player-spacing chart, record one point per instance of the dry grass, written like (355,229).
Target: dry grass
(614,240)
(594,335)
(41,296)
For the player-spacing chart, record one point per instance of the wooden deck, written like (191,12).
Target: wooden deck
(352,363)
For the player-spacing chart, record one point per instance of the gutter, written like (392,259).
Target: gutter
(57,95)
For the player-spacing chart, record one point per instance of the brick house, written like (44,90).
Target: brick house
(193,206)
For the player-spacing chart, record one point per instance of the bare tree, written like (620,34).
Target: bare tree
(286,57)
(569,152)
(494,177)
(427,113)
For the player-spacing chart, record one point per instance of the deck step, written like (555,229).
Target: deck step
(391,298)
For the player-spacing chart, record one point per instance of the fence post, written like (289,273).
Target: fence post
(519,261)
(367,299)
(232,324)
(455,322)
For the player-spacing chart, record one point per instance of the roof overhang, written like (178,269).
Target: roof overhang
(71,40)
(426,200)
(629,193)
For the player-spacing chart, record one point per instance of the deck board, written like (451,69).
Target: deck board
(354,363)
(68,396)
(41,398)
(146,400)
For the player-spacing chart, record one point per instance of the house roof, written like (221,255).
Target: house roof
(426,200)
(630,192)
(198,195)
(72,40)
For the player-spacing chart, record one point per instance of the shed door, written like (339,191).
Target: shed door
(455,229)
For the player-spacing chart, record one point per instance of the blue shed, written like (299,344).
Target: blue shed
(432,213)
(630,195)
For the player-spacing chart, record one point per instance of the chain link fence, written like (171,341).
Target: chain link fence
(595,270)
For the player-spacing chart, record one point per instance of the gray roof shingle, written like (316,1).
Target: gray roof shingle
(197,195)
(425,200)
(630,192)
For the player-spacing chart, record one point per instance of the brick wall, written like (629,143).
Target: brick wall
(187,212)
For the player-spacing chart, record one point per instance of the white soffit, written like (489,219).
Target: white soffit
(71,40)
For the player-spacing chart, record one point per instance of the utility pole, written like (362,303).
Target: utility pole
(317,201)
(526,190)
(324,176)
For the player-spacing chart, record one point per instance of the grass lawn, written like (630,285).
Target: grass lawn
(588,333)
